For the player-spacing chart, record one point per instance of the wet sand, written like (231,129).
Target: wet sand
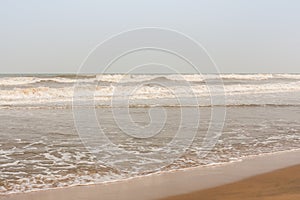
(281,184)
(174,183)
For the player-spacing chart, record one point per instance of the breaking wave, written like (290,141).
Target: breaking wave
(142,86)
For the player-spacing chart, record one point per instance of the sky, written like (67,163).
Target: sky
(241,36)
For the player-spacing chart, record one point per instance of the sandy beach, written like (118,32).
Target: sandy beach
(158,186)
(283,184)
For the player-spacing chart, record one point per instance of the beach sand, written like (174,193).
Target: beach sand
(281,184)
(157,186)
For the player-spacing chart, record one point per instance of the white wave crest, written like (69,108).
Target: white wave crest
(44,95)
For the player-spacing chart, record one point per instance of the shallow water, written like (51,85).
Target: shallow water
(41,147)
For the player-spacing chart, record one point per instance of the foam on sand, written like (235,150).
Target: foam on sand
(170,183)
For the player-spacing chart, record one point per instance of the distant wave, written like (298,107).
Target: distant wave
(146,92)
(40,90)
(116,78)
(195,77)
(15,81)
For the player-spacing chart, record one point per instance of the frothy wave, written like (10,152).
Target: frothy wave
(142,88)
(16,81)
(115,78)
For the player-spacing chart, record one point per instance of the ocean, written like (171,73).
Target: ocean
(43,145)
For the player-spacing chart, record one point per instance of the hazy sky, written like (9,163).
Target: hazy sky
(240,35)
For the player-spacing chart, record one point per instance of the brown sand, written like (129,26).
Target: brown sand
(282,184)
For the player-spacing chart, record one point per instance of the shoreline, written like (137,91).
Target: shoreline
(171,183)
